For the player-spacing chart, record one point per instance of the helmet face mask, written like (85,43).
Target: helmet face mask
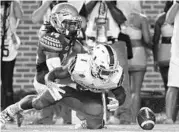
(65,19)
(101,72)
(71,26)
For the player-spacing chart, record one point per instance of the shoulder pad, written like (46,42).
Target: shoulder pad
(53,41)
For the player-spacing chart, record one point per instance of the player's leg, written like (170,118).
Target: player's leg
(164,74)
(28,102)
(137,80)
(46,114)
(88,104)
(9,113)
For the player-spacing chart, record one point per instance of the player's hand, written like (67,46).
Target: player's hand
(113,104)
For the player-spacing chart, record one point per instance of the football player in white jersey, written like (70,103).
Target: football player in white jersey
(93,73)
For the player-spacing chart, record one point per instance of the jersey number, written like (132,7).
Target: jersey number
(5,51)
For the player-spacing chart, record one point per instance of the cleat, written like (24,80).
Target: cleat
(168,121)
(2,124)
(81,125)
(4,117)
(20,119)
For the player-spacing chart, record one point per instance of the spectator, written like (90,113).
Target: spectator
(173,81)
(137,27)
(107,12)
(43,12)
(11,13)
(162,31)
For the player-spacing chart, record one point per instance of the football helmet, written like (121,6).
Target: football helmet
(103,61)
(65,19)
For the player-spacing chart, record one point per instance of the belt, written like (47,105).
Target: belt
(166,40)
(110,39)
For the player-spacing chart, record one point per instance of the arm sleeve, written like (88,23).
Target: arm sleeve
(53,63)
(89,6)
(126,38)
(117,14)
(156,38)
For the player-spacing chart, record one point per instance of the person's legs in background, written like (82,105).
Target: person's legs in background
(163,68)
(7,70)
(164,75)
(137,69)
(171,98)
(136,79)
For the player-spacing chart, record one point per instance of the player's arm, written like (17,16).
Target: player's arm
(172,12)
(18,12)
(146,32)
(38,14)
(117,14)
(90,5)
(79,48)
(57,73)
(156,36)
(60,72)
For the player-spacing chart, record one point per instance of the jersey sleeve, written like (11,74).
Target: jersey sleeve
(54,42)
(53,63)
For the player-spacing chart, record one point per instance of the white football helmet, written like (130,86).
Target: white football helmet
(65,19)
(104,61)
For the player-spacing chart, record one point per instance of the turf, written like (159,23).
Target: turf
(70,128)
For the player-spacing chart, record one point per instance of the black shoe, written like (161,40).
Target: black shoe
(4,118)
(20,119)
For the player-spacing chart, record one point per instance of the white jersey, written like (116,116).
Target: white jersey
(175,41)
(81,74)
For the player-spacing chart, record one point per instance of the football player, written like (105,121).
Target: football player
(93,73)
(57,40)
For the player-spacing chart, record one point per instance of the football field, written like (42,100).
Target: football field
(70,128)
